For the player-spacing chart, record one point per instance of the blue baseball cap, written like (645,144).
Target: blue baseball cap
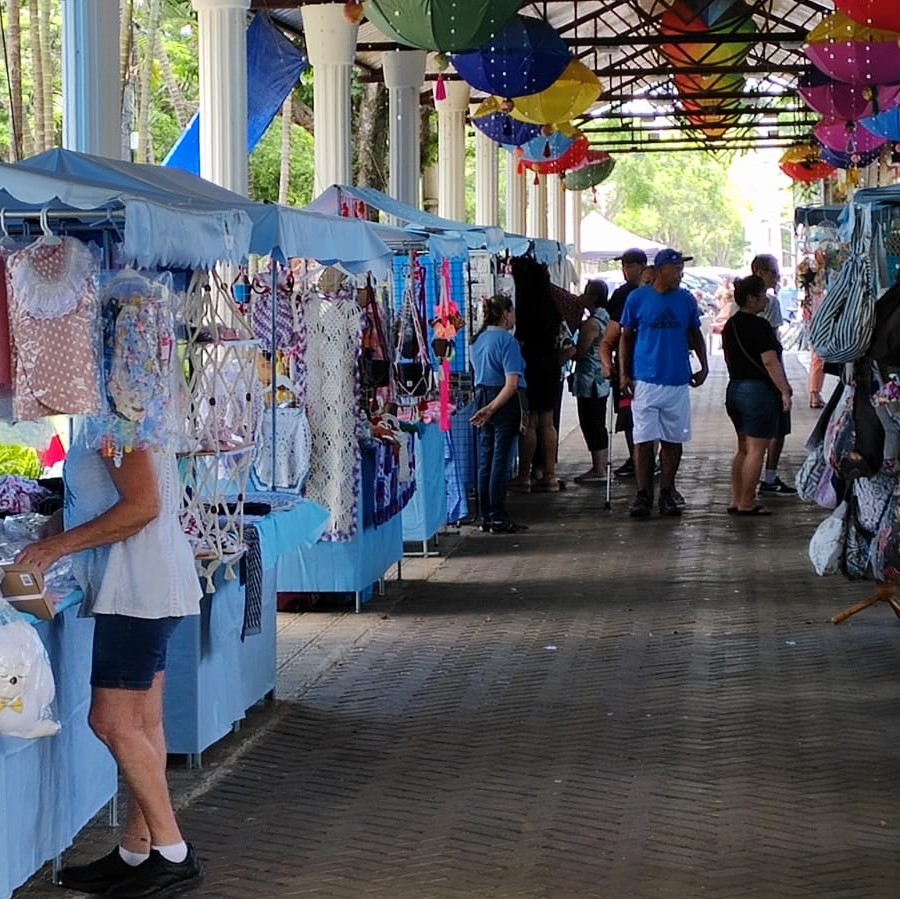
(670,257)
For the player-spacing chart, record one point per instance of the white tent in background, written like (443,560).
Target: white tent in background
(602,241)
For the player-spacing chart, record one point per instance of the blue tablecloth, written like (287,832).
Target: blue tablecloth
(52,787)
(426,512)
(212,675)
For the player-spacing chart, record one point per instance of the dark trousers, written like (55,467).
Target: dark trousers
(592,419)
(495,443)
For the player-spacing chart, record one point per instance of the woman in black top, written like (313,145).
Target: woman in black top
(758,392)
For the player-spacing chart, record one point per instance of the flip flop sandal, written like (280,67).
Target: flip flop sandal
(547,487)
(756,510)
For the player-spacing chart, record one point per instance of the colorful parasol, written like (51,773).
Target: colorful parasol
(886,124)
(877,13)
(451,26)
(597,169)
(525,57)
(571,95)
(689,18)
(502,127)
(545,147)
(858,54)
(849,160)
(803,162)
(574,157)
(840,100)
(847,137)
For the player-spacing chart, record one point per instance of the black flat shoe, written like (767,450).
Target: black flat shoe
(159,877)
(508,527)
(99,875)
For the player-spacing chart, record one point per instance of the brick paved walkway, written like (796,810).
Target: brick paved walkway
(597,708)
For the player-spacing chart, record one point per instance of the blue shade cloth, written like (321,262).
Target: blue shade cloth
(162,204)
(426,512)
(525,57)
(273,66)
(52,787)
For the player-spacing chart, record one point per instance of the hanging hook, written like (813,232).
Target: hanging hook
(49,237)
(3,223)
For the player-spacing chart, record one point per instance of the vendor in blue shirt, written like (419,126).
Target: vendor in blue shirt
(499,375)
(660,327)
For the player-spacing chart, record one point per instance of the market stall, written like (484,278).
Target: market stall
(159,219)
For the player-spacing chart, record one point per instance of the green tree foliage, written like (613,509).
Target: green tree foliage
(265,166)
(682,200)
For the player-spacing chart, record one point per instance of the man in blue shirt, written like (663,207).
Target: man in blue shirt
(660,327)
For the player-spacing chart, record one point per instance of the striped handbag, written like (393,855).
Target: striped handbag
(842,326)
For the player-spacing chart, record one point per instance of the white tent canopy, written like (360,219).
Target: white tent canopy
(601,240)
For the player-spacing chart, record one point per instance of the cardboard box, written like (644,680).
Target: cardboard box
(22,587)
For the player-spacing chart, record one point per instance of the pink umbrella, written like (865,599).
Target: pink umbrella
(847,51)
(839,100)
(847,137)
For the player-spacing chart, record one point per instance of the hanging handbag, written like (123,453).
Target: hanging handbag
(842,327)
(374,372)
(412,376)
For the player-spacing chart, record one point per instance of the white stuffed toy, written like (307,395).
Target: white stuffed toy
(26,680)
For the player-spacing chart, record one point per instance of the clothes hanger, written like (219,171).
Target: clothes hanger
(6,240)
(49,239)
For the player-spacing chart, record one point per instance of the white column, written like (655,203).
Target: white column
(556,209)
(516,197)
(222,30)
(537,205)
(331,46)
(573,229)
(487,205)
(404,72)
(91,110)
(452,150)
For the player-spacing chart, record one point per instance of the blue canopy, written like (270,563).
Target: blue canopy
(177,219)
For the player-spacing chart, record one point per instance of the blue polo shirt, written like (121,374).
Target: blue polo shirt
(662,322)
(496,354)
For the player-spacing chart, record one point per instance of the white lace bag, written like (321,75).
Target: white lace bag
(826,546)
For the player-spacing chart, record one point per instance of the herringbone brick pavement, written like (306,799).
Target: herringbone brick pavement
(596,708)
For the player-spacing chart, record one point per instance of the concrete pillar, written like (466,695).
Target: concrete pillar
(452,150)
(516,197)
(404,72)
(573,230)
(487,176)
(331,47)
(556,209)
(91,109)
(222,30)
(537,205)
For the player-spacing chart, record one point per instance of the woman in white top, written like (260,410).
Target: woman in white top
(137,572)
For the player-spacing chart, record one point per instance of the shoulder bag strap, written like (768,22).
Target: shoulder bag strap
(737,337)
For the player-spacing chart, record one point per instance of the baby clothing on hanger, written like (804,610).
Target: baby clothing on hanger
(53,314)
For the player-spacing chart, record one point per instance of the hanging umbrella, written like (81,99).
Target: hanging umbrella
(707,84)
(571,95)
(506,130)
(598,168)
(525,57)
(877,13)
(804,163)
(886,124)
(685,18)
(840,100)
(858,54)
(545,147)
(444,25)
(849,160)
(847,137)
(574,157)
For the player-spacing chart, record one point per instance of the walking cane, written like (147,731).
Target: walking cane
(609,464)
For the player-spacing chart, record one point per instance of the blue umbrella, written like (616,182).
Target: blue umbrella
(544,148)
(886,124)
(525,57)
(849,160)
(505,129)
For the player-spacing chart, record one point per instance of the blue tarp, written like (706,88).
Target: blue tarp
(177,219)
(273,66)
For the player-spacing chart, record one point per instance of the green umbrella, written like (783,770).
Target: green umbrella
(589,175)
(452,26)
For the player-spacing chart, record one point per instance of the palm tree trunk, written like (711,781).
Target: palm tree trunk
(149,43)
(14,61)
(284,178)
(37,74)
(48,126)
(182,108)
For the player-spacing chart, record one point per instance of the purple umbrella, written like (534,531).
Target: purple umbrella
(857,62)
(505,129)
(839,100)
(847,137)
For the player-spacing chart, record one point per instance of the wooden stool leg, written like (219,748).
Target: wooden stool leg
(883,593)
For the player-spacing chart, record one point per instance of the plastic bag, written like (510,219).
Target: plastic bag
(26,680)
(826,546)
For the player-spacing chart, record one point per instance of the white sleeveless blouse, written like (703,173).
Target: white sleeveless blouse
(150,574)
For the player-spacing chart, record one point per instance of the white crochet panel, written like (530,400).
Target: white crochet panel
(333,323)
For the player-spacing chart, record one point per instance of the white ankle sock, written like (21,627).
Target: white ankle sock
(133,858)
(175,853)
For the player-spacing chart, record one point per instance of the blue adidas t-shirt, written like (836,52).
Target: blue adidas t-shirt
(661,322)
(496,354)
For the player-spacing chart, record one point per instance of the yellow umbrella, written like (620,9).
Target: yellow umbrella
(575,91)
(840,29)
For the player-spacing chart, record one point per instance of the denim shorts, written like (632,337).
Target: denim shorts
(754,407)
(129,652)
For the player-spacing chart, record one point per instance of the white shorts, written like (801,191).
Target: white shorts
(661,412)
